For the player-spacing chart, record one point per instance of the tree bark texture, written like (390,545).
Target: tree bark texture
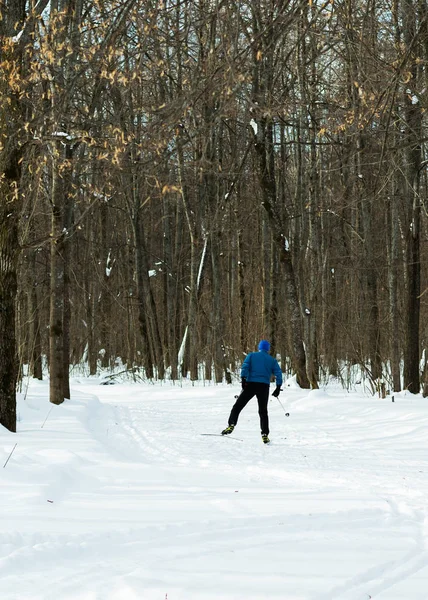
(8,288)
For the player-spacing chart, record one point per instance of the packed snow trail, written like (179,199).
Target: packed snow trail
(115,495)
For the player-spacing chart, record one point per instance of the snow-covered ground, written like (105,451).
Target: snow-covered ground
(115,495)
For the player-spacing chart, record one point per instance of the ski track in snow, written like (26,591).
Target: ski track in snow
(118,497)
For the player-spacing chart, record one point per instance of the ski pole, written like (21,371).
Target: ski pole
(10,455)
(287,414)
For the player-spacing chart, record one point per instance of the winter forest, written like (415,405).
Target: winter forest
(182,178)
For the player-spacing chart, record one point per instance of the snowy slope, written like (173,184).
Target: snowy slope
(117,496)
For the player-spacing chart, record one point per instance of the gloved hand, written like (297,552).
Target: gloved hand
(276,391)
(243,383)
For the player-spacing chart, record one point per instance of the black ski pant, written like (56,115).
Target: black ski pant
(253,388)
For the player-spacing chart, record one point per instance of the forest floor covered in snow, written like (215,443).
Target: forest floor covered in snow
(116,495)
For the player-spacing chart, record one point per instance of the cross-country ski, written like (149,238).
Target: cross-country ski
(227,437)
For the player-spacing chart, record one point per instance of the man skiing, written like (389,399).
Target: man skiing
(256,371)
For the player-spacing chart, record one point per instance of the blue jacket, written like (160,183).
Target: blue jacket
(260,366)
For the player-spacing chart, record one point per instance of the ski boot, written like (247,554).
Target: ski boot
(228,430)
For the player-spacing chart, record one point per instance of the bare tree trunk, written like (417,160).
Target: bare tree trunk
(394,331)
(57,376)
(242,298)
(218,312)
(11,57)
(413,121)
(9,250)
(147,356)
(195,273)
(147,306)
(274,299)
(170,299)
(105,312)
(67,229)
(34,320)
(91,344)
(90,301)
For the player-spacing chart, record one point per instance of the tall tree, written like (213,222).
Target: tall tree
(16,26)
